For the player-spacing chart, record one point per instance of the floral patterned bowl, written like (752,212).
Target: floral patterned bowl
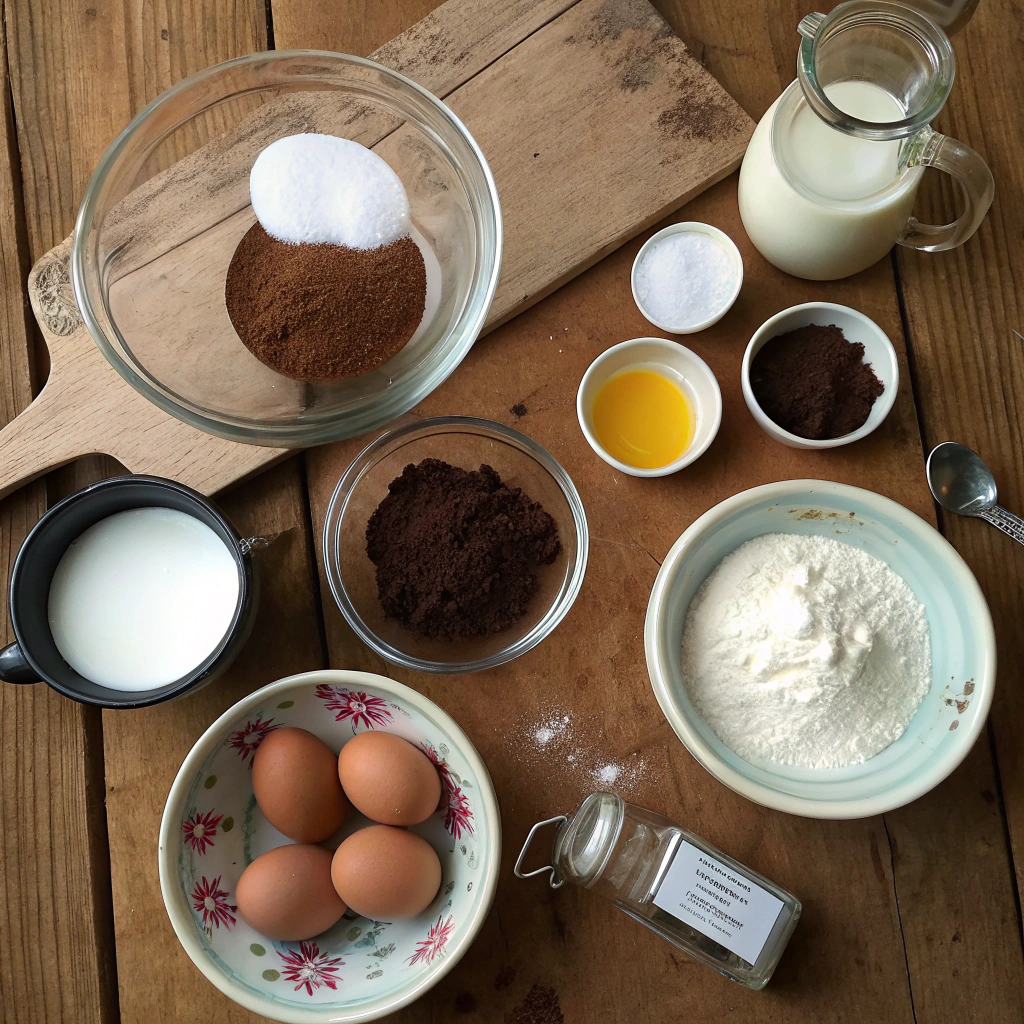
(212,829)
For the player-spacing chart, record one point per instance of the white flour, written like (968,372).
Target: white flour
(805,651)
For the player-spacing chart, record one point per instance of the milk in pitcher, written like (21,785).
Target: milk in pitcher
(820,204)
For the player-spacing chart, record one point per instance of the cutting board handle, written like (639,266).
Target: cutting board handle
(46,435)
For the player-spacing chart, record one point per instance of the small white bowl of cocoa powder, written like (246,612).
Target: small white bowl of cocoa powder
(829,378)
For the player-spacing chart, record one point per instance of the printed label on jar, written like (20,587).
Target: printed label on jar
(712,898)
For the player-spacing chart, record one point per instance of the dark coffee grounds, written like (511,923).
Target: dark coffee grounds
(539,1007)
(814,383)
(456,550)
(324,312)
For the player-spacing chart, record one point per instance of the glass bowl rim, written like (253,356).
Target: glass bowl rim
(479,427)
(315,429)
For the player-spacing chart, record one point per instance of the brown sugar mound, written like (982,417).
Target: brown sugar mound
(456,550)
(324,312)
(814,383)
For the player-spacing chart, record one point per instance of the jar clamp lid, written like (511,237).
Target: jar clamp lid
(582,843)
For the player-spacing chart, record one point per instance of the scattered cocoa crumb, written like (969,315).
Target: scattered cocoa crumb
(697,117)
(539,1007)
(518,410)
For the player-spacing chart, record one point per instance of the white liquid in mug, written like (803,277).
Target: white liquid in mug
(859,214)
(142,598)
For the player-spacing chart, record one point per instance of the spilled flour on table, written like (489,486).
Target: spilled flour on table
(573,744)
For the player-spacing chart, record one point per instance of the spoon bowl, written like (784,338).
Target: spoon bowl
(959,479)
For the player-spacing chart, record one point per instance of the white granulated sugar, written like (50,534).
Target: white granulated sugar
(805,651)
(319,188)
(570,744)
(685,279)
(544,732)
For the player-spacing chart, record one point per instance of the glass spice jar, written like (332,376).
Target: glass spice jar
(702,901)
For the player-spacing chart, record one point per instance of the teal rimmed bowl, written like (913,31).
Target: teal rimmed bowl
(212,829)
(953,713)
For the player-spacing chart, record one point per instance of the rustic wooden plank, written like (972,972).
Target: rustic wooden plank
(54,895)
(452,42)
(613,75)
(65,121)
(848,951)
(951,979)
(638,129)
(136,764)
(144,750)
(962,308)
(356,26)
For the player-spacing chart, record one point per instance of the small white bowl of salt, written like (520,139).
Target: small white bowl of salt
(686,277)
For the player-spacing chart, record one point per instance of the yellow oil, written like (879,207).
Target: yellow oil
(643,419)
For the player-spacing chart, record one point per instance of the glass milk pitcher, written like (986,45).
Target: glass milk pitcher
(829,178)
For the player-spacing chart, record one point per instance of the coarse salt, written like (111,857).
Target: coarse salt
(685,279)
(319,188)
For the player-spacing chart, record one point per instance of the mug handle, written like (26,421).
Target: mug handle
(930,149)
(14,668)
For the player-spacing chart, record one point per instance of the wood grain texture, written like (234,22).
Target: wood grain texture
(848,950)
(73,91)
(962,308)
(356,26)
(614,126)
(652,129)
(54,894)
(952,979)
(144,750)
(947,938)
(907,918)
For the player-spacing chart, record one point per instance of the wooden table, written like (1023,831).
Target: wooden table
(909,917)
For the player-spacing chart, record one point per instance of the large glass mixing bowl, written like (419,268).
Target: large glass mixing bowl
(169,203)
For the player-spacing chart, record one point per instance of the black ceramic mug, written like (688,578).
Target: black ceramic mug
(34,656)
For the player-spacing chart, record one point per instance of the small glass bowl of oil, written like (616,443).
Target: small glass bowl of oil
(649,406)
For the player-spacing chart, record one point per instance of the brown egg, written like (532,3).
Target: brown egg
(386,873)
(388,779)
(288,894)
(295,779)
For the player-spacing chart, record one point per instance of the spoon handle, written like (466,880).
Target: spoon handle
(1010,524)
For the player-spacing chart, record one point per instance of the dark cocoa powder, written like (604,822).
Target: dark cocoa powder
(324,312)
(814,382)
(456,550)
(540,1006)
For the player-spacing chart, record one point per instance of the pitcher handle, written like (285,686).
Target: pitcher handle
(930,149)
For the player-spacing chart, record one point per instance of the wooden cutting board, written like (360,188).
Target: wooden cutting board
(596,122)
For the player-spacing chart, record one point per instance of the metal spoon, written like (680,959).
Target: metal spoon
(961,482)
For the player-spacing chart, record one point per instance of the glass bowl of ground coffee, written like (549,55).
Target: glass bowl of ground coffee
(819,375)
(169,204)
(455,544)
